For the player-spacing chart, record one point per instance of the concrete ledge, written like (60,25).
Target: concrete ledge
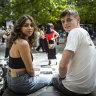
(8,92)
(46,91)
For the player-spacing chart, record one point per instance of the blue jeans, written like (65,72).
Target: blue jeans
(57,83)
(25,84)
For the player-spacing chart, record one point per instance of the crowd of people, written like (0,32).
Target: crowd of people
(47,39)
(5,35)
(77,73)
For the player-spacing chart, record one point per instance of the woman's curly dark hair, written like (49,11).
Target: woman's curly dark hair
(17,33)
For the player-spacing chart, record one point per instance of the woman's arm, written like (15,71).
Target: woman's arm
(42,34)
(25,54)
(56,34)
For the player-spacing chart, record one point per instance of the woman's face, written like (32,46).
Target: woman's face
(28,28)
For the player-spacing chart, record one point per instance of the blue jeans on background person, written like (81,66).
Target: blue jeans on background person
(25,84)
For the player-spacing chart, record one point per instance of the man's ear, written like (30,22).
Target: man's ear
(78,19)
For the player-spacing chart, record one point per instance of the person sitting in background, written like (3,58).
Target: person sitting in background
(21,77)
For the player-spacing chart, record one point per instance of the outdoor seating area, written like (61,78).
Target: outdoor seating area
(47,48)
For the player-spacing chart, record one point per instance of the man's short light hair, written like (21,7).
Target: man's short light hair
(69,11)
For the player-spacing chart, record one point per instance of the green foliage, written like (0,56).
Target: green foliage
(44,11)
(87,10)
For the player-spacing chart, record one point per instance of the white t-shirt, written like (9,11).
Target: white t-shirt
(80,77)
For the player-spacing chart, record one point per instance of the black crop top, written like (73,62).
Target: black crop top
(17,63)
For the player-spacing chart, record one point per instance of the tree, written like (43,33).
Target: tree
(87,10)
(43,11)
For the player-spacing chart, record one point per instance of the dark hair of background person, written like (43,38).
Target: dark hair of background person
(41,27)
(17,33)
(48,28)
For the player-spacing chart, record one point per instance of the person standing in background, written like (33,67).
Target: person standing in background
(41,37)
(6,36)
(51,35)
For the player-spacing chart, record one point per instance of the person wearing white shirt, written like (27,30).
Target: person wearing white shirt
(77,67)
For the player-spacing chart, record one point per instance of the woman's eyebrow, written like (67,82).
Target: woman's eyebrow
(28,23)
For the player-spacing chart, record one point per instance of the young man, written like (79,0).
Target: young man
(77,66)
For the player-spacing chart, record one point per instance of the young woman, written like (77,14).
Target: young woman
(51,35)
(21,76)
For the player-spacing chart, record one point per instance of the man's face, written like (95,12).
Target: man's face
(70,22)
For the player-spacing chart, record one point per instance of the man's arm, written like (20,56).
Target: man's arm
(66,57)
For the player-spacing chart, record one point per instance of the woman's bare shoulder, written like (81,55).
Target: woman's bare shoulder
(22,43)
